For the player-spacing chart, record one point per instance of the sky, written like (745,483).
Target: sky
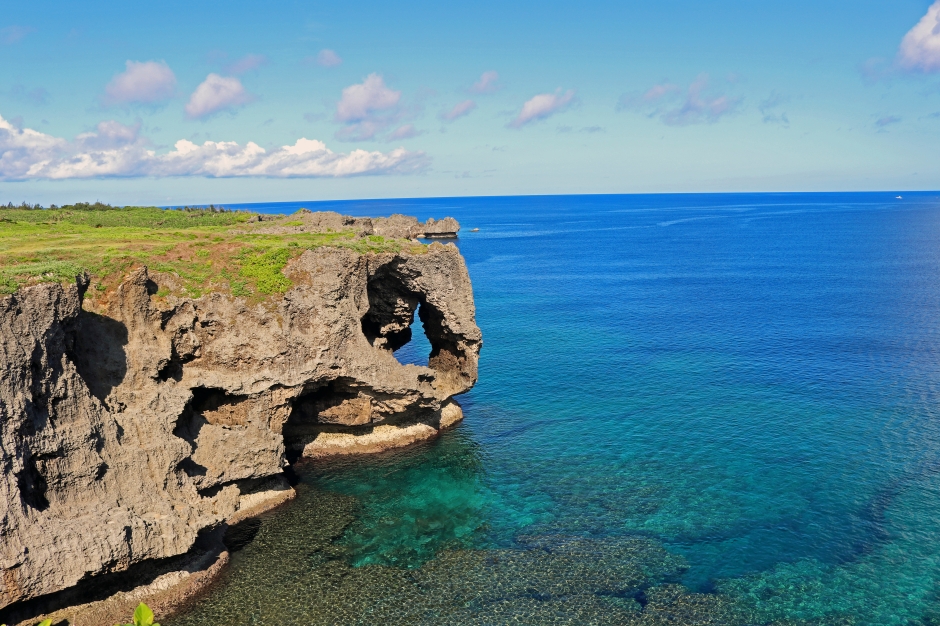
(197,102)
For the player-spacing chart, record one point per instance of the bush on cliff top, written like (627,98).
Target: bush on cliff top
(198,250)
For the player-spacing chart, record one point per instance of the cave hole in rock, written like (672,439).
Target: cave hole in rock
(339,403)
(389,322)
(418,349)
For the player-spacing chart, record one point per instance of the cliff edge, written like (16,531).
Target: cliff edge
(132,433)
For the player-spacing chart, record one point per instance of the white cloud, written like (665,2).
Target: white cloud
(247,63)
(488,83)
(216,93)
(542,106)
(115,150)
(328,58)
(361,100)
(920,48)
(699,106)
(367,108)
(459,110)
(144,82)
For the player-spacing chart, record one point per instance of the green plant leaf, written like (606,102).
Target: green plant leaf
(143,616)
(45,622)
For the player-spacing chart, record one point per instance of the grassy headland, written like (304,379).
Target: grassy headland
(198,250)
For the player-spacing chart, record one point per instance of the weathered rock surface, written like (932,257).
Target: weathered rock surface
(128,435)
(396,227)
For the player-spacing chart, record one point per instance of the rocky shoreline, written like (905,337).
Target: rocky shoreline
(135,434)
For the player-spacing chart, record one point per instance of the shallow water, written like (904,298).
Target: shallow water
(737,393)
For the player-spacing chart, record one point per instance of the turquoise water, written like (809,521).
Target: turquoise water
(715,409)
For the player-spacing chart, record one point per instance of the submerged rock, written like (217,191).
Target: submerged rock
(127,436)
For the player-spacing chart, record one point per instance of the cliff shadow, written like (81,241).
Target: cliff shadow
(99,353)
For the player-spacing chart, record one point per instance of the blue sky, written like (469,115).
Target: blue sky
(350,100)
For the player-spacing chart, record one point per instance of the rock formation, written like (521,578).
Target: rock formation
(127,436)
(396,227)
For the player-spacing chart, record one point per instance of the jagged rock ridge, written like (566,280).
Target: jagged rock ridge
(125,436)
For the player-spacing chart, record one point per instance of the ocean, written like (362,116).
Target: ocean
(716,407)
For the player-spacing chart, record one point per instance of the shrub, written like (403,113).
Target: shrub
(143,616)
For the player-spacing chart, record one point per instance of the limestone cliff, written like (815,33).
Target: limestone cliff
(127,435)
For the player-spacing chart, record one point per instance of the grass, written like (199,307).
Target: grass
(197,251)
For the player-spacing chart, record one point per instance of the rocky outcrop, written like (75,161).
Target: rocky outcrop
(407,226)
(395,227)
(129,435)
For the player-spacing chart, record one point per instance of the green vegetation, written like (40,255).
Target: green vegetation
(194,250)
(143,616)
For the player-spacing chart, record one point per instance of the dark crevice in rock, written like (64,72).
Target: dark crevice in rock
(326,403)
(191,468)
(387,323)
(445,354)
(188,425)
(173,368)
(217,406)
(245,486)
(38,376)
(210,492)
(32,485)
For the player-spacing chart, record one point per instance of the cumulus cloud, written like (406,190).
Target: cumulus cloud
(361,100)
(488,83)
(542,106)
(367,108)
(459,110)
(697,106)
(116,150)
(920,48)
(146,82)
(216,93)
(328,58)
(246,64)
(12,34)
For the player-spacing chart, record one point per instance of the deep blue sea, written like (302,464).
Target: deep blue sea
(735,393)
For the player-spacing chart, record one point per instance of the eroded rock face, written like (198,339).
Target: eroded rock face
(125,435)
